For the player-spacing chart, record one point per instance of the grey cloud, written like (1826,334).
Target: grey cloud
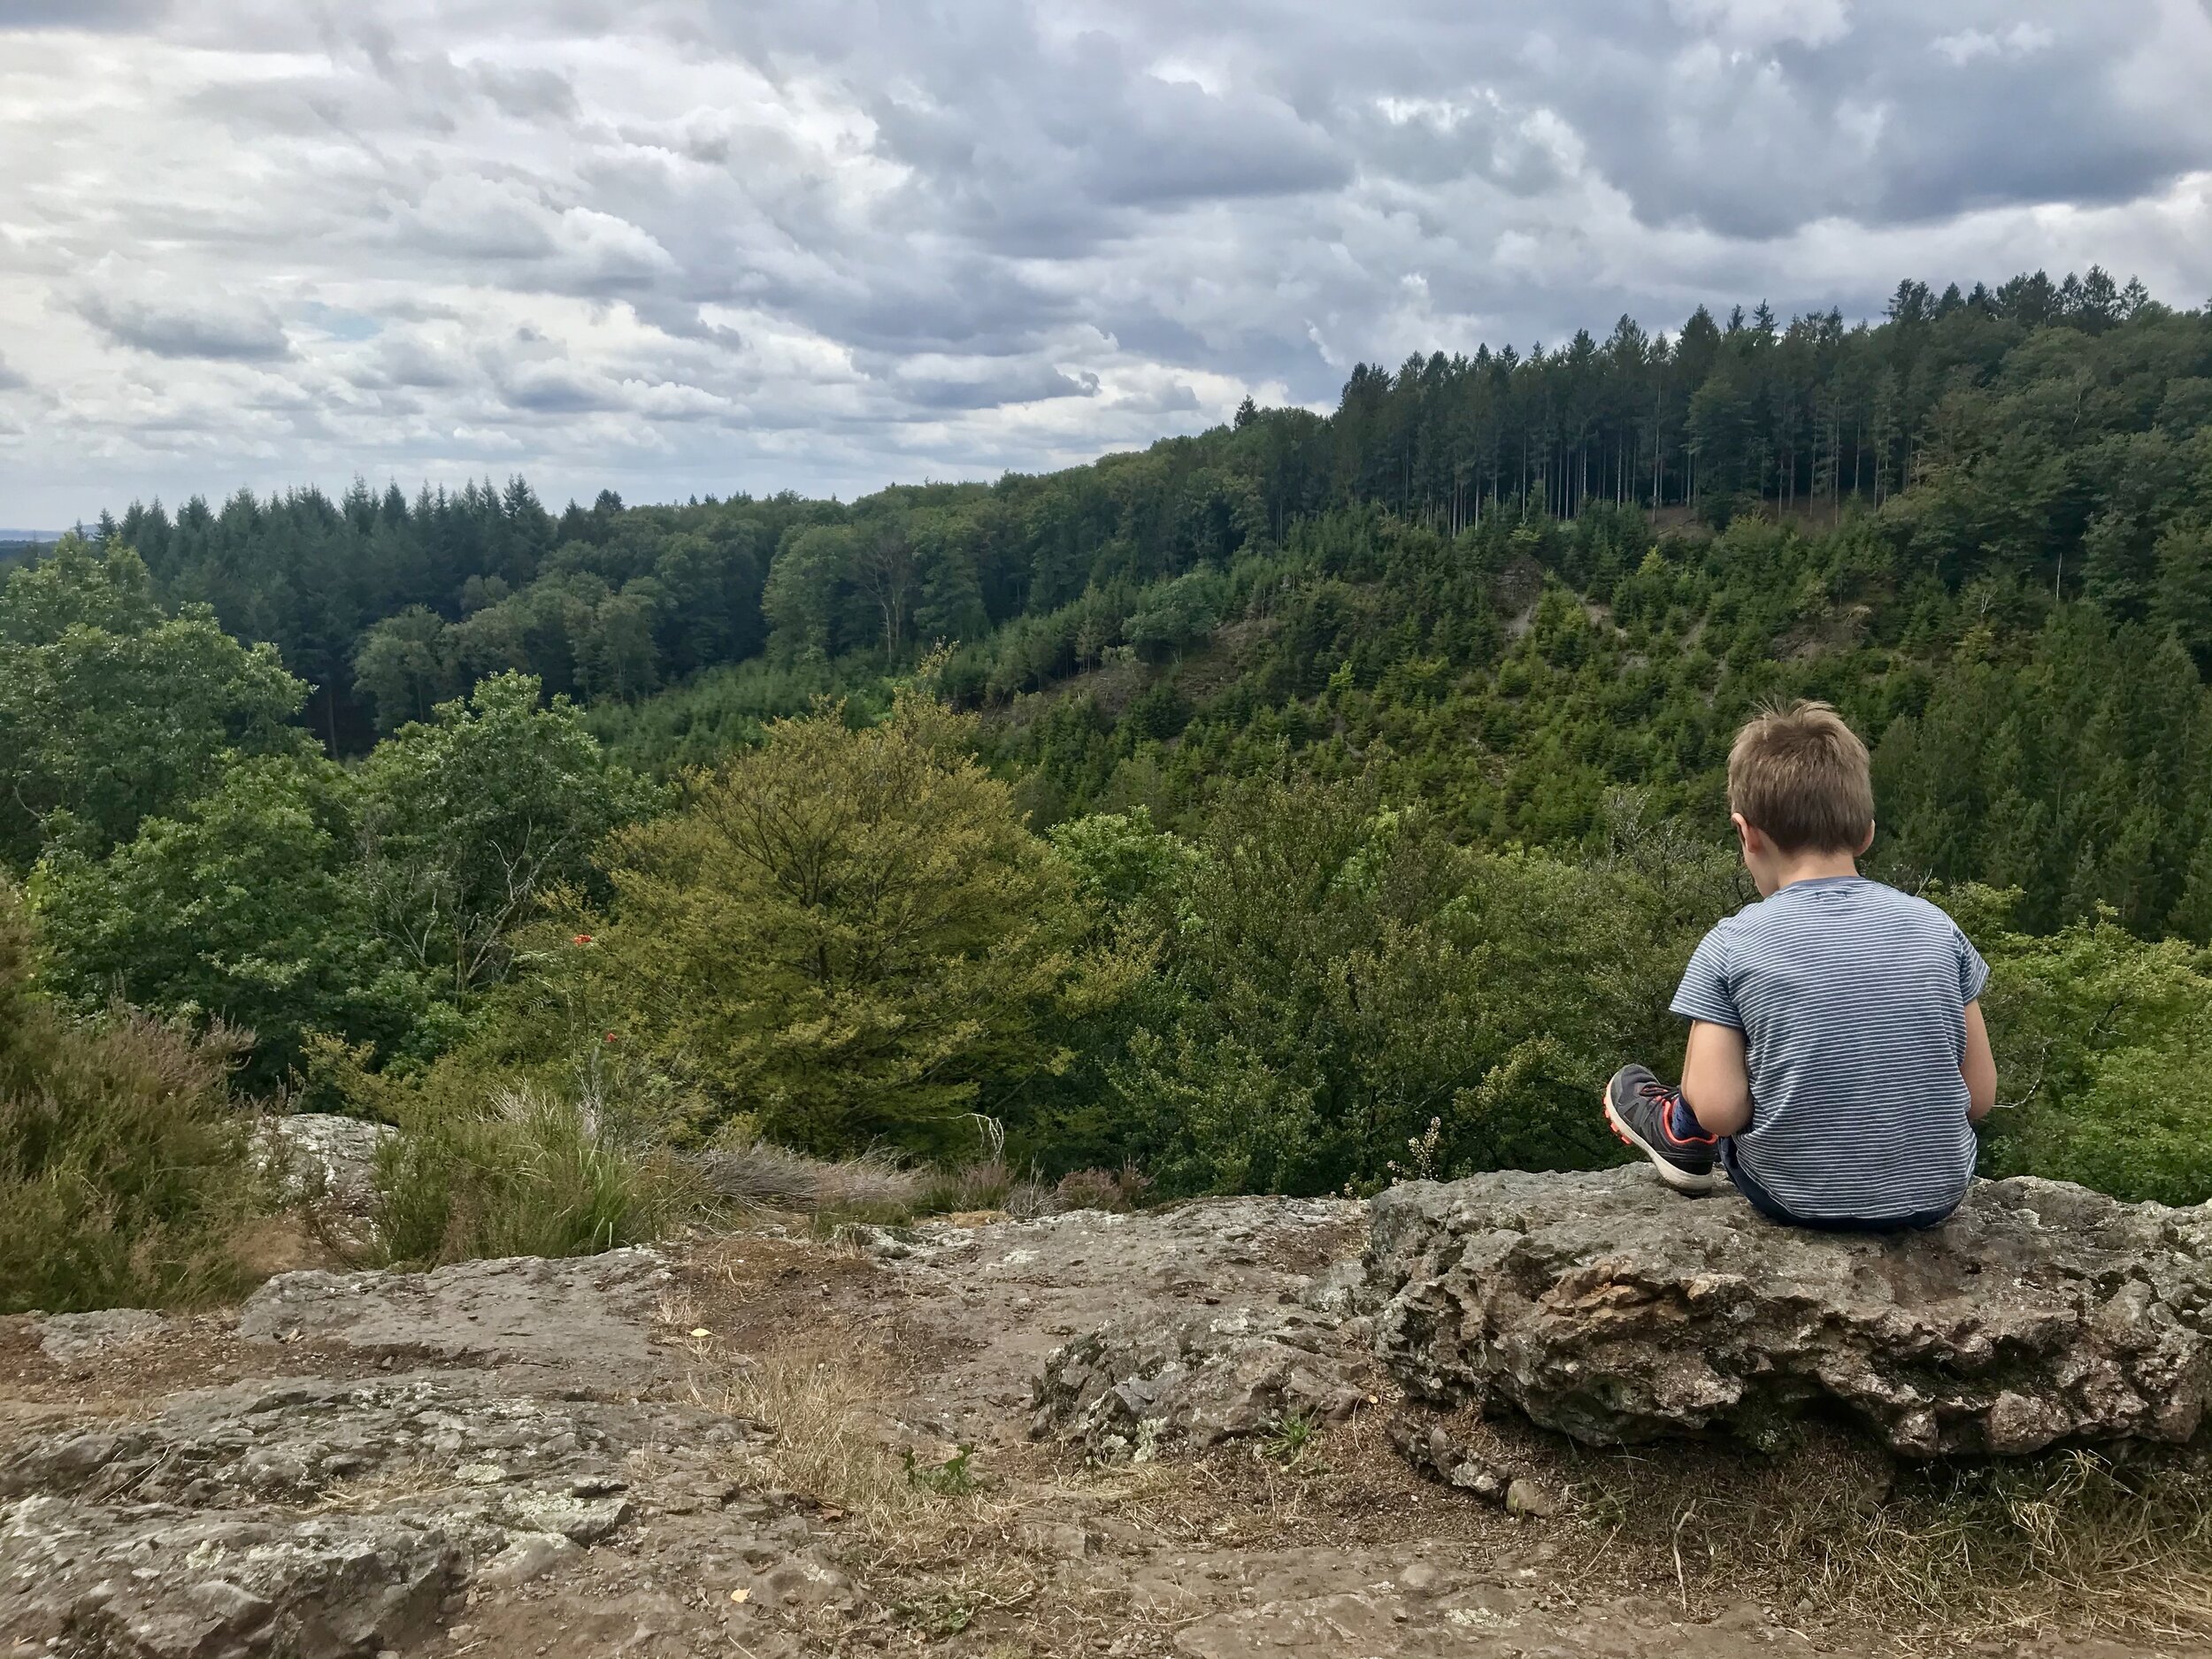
(530,94)
(413,361)
(81,14)
(211,326)
(11,380)
(557,388)
(1175,398)
(1021,384)
(830,242)
(1704,117)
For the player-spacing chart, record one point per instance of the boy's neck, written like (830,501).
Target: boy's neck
(1810,866)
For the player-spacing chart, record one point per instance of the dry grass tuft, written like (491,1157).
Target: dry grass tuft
(761,1174)
(828,1444)
(939,1557)
(2071,1540)
(373,1493)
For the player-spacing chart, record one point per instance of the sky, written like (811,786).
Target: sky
(679,247)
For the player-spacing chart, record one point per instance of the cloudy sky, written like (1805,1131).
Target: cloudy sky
(679,246)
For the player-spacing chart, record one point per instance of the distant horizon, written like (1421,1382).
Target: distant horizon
(664,490)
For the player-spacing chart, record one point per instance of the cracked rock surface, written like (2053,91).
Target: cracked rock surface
(1603,1305)
(321,1517)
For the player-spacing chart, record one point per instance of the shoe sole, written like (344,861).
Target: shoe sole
(1681,1179)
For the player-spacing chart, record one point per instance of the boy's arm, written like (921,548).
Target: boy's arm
(1978,1066)
(1716,1082)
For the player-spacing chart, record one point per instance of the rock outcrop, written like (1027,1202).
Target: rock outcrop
(1603,1305)
(323,1159)
(70,1338)
(1152,1380)
(319,1518)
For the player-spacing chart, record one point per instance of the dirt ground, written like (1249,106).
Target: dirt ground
(827,1445)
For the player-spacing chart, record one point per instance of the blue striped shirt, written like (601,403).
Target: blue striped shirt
(1852,1000)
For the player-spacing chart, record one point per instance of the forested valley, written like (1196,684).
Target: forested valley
(1295,807)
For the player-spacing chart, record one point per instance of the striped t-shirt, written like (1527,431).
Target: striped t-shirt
(1851,999)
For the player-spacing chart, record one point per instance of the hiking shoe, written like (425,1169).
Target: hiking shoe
(1640,1109)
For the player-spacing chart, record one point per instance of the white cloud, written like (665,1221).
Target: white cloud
(1755,25)
(681,245)
(2018,42)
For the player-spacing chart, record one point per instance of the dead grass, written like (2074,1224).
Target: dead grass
(876,1188)
(827,1443)
(937,1562)
(380,1490)
(760,1174)
(1934,1556)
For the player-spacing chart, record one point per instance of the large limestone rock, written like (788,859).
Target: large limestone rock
(1605,1306)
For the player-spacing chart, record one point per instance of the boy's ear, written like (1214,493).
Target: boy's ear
(1868,840)
(1747,831)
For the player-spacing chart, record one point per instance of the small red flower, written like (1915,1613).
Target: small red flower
(610,1036)
(582,939)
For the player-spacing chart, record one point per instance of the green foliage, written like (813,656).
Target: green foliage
(513,1169)
(112,710)
(467,819)
(849,934)
(1338,974)
(2072,771)
(701,722)
(1119,859)
(248,909)
(1291,1437)
(955,1478)
(2103,1043)
(123,1167)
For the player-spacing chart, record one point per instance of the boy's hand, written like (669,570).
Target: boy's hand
(1716,1080)
(1978,1066)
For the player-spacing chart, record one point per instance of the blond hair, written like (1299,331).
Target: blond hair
(1800,776)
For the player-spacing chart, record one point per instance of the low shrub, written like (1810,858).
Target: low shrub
(529,1173)
(1120,1190)
(124,1166)
(985,1184)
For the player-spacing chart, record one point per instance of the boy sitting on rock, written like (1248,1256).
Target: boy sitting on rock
(1837,1057)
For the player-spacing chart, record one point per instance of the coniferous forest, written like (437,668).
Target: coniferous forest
(1263,811)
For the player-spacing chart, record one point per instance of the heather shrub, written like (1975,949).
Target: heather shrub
(123,1167)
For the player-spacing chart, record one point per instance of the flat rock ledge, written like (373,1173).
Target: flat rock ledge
(588,1316)
(1603,1305)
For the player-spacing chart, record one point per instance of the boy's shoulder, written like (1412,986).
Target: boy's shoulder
(1803,906)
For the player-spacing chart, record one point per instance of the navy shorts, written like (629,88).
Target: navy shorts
(1773,1208)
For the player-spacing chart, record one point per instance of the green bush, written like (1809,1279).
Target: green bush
(1337,973)
(849,936)
(2102,1041)
(246,907)
(526,1172)
(125,1171)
